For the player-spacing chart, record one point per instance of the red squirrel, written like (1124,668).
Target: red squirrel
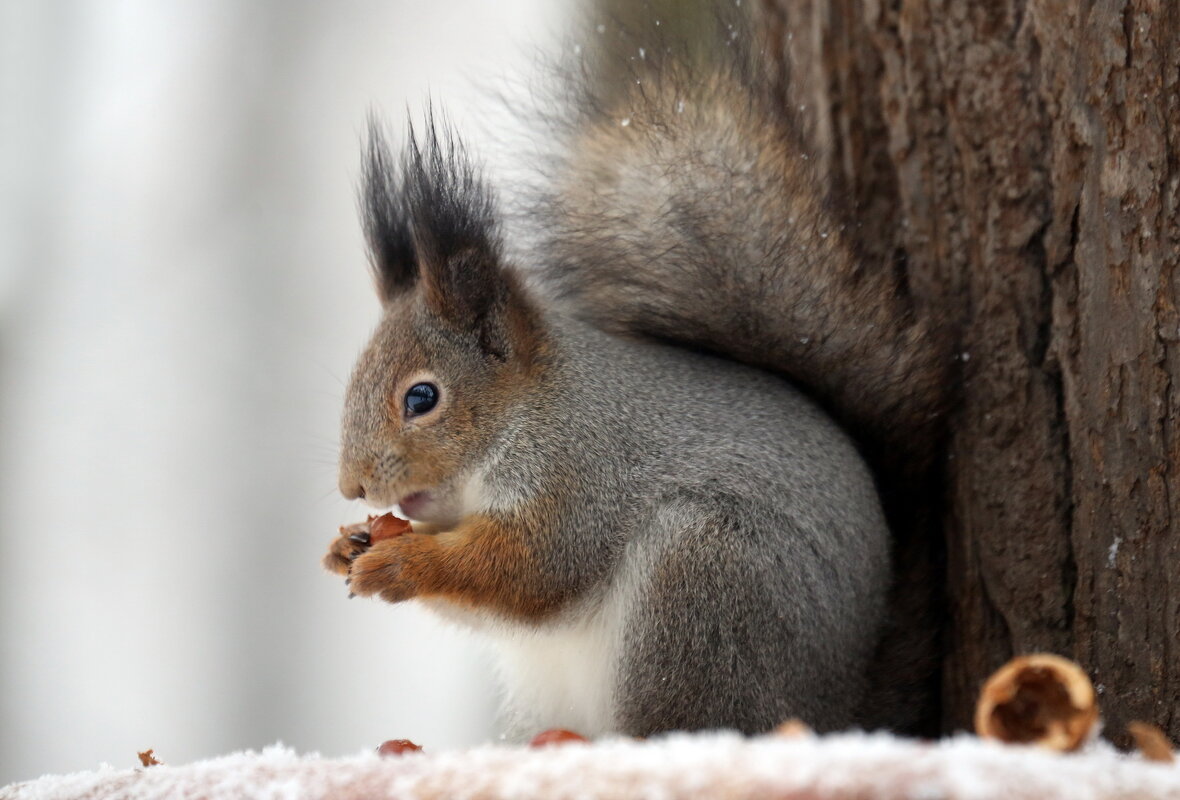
(621,452)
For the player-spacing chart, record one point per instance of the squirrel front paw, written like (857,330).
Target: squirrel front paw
(352,541)
(380,570)
(372,555)
(359,537)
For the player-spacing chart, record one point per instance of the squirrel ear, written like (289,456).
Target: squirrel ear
(456,237)
(386,219)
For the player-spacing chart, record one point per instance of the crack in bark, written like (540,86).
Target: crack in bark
(1062,423)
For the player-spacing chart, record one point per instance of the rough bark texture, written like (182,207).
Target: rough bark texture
(1020,160)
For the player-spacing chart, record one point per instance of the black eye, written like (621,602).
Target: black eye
(420,398)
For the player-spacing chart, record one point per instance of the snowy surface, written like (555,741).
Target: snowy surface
(718,765)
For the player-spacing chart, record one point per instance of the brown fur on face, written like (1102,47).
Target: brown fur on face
(455,316)
(387,455)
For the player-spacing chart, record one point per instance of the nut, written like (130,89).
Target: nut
(1038,699)
(556,736)
(396,747)
(387,526)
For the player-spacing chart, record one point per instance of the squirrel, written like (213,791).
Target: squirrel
(640,456)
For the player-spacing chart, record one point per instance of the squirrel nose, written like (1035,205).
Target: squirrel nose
(352,476)
(352,491)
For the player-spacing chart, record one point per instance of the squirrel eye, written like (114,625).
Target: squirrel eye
(420,398)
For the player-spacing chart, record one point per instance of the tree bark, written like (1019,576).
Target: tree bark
(1020,160)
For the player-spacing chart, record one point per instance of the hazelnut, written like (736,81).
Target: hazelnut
(556,736)
(395,747)
(387,526)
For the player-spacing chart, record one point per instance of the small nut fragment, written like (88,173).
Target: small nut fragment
(556,736)
(148,758)
(794,728)
(1038,699)
(387,526)
(396,747)
(1151,741)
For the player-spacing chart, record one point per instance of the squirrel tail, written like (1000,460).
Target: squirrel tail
(682,207)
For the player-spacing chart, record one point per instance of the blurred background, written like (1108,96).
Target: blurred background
(182,293)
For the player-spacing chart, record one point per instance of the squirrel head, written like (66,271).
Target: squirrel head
(460,346)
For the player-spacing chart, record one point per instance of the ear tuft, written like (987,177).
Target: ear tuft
(431,223)
(385,218)
(453,221)
(430,216)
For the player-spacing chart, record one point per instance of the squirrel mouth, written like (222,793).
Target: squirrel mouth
(413,504)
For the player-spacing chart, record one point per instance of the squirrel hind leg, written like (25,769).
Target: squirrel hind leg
(735,626)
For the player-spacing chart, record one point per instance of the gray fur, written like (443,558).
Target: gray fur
(755,537)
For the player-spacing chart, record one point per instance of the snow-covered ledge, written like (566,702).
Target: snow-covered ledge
(834,767)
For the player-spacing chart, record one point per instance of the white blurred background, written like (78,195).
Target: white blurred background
(182,292)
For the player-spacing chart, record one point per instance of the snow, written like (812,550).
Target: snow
(853,765)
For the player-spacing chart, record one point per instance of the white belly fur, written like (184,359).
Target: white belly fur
(562,675)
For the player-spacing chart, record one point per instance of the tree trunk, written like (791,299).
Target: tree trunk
(1020,159)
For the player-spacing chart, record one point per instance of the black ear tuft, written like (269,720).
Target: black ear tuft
(385,217)
(455,231)
(431,223)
